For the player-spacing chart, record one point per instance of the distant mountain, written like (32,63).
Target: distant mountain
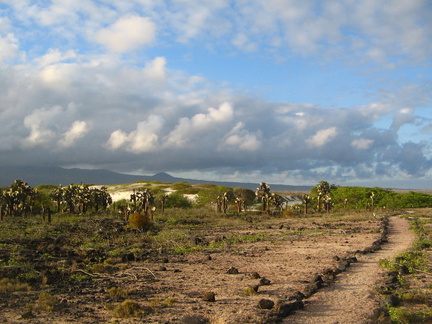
(35,176)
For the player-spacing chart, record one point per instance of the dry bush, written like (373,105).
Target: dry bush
(128,308)
(139,221)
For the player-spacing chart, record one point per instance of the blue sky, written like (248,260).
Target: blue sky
(290,92)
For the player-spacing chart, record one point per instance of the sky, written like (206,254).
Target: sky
(280,91)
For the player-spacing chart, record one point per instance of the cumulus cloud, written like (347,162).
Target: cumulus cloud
(241,139)
(322,137)
(189,129)
(77,130)
(144,139)
(40,125)
(362,143)
(127,33)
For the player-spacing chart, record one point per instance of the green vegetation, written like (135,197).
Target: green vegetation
(361,198)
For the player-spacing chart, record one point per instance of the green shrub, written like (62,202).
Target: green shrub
(177,200)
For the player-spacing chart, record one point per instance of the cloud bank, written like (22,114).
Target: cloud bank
(85,83)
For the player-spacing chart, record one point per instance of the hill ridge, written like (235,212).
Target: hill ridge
(37,175)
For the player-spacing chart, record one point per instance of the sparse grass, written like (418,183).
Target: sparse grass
(46,302)
(12,285)
(404,315)
(422,296)
(118,293)
(413,260)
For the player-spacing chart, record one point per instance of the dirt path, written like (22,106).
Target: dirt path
(350,298)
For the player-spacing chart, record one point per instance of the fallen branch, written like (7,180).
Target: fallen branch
(141,268)
(94,275)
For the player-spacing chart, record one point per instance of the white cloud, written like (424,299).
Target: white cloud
(39,123)
(77,130)
(127,34)
(322,137)
(144,139)
(362,143)
(54,56)
(189,128)
(239,138)
(155,69)
(8,47)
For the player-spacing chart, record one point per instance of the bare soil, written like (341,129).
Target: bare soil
(284,267)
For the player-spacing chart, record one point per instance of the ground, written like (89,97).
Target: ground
(327,262)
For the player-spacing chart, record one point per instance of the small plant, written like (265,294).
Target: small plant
(117,293)
(249,291)
(139,221)
(79,277)
(169,301)
(422,297)
(156,303)
(98,268)
(413,261)
(128,308)
(398,315)
(46,302)
(402,315)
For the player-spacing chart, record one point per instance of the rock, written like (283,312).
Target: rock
(265,304)
(255,275)
(318,279)
(351,259)
(343,265)
(232,270)
(264,282)
(194,319)
(285,309)
(209,296)
(403,269)
(200,241)
(28,315)
(312,288)
(255,287)
(391,300)
(128,257)
(297,296)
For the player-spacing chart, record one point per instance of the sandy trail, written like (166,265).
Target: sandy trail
(350,298)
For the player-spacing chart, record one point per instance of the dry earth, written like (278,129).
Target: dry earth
(282,267)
